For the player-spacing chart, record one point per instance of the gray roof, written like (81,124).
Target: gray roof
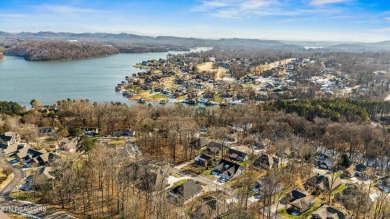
(187,190)
(325,212)
(11,149)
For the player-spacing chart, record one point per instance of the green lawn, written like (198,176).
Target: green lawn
(178,183)
(305,215)
(26,196)
(194,169)
(156,97)
(339,189)
(117,142)
(207,174)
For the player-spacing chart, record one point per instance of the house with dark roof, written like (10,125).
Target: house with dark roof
(125,133)
(149,175)
(327,212)
(384,183)
(46,130)
(292,196)
(322,183)
(237,155)
(358,170)
(184,192)
(9,138)
(227,170)
(37,157)
(204,160)
(326,164)
(266,161)
(10,149)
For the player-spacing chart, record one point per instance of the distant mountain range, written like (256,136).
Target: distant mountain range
(137,43)
(124,39)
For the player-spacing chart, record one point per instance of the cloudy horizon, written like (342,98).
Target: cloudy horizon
(301,20)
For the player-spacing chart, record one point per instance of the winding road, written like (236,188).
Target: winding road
(27,208)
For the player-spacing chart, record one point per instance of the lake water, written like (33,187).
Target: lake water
(93,79)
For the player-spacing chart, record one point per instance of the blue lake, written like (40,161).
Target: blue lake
(93,79)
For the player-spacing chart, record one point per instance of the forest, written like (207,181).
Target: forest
(59,50)
(96,184)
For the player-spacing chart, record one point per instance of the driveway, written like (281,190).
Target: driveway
(18,176)
(26,208)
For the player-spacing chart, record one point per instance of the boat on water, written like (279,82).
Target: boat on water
(141,100)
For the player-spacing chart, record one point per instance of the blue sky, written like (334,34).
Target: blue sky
(327,20)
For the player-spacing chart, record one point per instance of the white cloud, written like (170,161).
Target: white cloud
(234,8)
(13,15)
(326,2)
(62,9)
(382,30)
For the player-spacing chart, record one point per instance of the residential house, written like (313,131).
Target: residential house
(266,187)
(237,155)
(69,145)
(199,143)
(42,179)
(9,138)
(362,171)
(208,207)
(352,194)
(90,131)
(46,131)
(23,152)
(266,161)
(227,170)
(327,212)
(322,183)
(204,160)
(149,175)
(349,172)
(292,196)
(214,148)
(327,163)
(38,157)
(384,183)
(303,204)
(125,133)
(184,192)
(359,170)
(10,149)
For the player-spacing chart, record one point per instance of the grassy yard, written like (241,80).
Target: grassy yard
(117,142)
(339,189)
(26,196)
(207,174)
(178,183)
(16,216)
(305,215)
(194,169)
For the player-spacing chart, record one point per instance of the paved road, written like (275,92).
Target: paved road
(213,185)
(26,208)
(18,176)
